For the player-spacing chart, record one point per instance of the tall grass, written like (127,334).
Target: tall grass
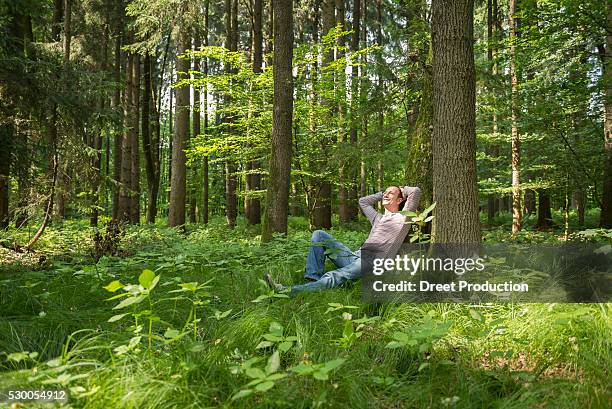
(494,355)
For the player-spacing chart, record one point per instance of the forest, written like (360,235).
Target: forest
(158,158)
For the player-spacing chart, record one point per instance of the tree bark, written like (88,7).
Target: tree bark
(6,141)
(514,107)
(150,141)
(363,171)
(196,124)
(322,210)
(123,212)
(340,85)
(353,209)
(205,164)
(176,215)
(231,10)
(280,160)
(605,220)
(419,171)
(454,133)
(134,151)
(117,140)
(63,180)
(253,180)
(544,213)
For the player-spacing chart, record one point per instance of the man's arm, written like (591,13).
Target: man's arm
(413,196)
(367,206)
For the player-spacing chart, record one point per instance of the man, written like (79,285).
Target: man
(386,236)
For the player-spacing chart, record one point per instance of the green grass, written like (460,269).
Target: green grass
(492,356)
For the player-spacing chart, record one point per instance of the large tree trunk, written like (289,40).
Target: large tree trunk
(516,152)
(58,15)
(544,213)
(605,220)
(280,160)
(176,215)
(454,133)
(253,180)
(322,210)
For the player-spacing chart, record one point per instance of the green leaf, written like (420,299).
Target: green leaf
(171,333)
(285,346)
(321,375)
(273,338)
(113,286)
(243,393)
(334,364)
(255,373)
(129,301)
(264,344)
(429,209)
(476,315)
(276,329)
(264,386)
(146,278)
(423,366)
(116,317)
(273,363)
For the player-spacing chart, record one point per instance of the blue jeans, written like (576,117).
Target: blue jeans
(348,263)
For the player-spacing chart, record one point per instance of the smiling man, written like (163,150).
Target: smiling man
(386,236)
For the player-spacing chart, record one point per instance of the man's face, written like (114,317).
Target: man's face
(392,197)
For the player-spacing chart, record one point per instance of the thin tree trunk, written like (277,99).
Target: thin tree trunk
(355,93)
(280,160)
(322,212)
(605,220)
(205,164)
(516,148)
(340,82)
(123,212)
(135,151)
(176,215)
(363,174)
(117,140)
(230,166)
(149,140)
(491,36)
(6,141)
(454,133)
(196,115)
(253,180)
(381,115)
(63,177)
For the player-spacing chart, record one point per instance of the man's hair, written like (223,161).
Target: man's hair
(401,194)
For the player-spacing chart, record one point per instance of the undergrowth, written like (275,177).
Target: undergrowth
(193,336)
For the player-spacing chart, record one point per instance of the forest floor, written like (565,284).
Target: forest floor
(199,328)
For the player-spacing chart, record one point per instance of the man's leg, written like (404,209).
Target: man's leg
(332,278)
(315,260)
